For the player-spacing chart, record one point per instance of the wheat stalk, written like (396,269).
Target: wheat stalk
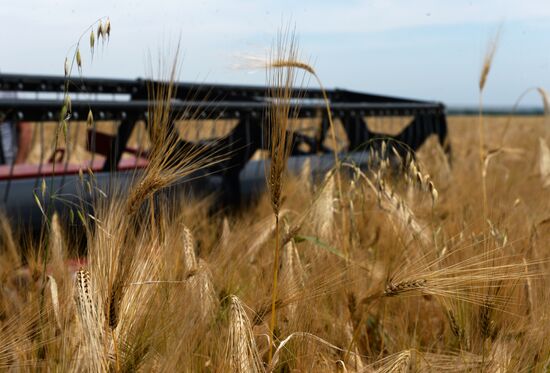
(486,67)
(544,162)
(281,81)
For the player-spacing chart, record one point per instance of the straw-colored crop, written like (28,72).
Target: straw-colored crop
(242,353)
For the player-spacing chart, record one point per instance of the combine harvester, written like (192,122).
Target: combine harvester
(230,119)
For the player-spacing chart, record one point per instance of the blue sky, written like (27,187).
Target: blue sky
(428,49)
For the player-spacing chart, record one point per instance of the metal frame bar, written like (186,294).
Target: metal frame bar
(248,104)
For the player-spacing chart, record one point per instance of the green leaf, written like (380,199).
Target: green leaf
(81,217)
(63,112)
(317,242)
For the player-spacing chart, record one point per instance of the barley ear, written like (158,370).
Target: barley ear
(241,352)
(226,233)
(55,301)
(189,255)
(393,289)
(487,61)
(91,355)
(113,306)
(56,243)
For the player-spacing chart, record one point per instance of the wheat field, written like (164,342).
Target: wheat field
(386,279)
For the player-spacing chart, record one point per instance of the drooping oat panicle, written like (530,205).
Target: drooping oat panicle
(67,102)
(78,59)
(414,175)
(108,28)
(100,30)
(241,351)
(66,67)
(92,42)
(398,210)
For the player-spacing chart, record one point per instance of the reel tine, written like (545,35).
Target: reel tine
(94,141)
(9,157)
